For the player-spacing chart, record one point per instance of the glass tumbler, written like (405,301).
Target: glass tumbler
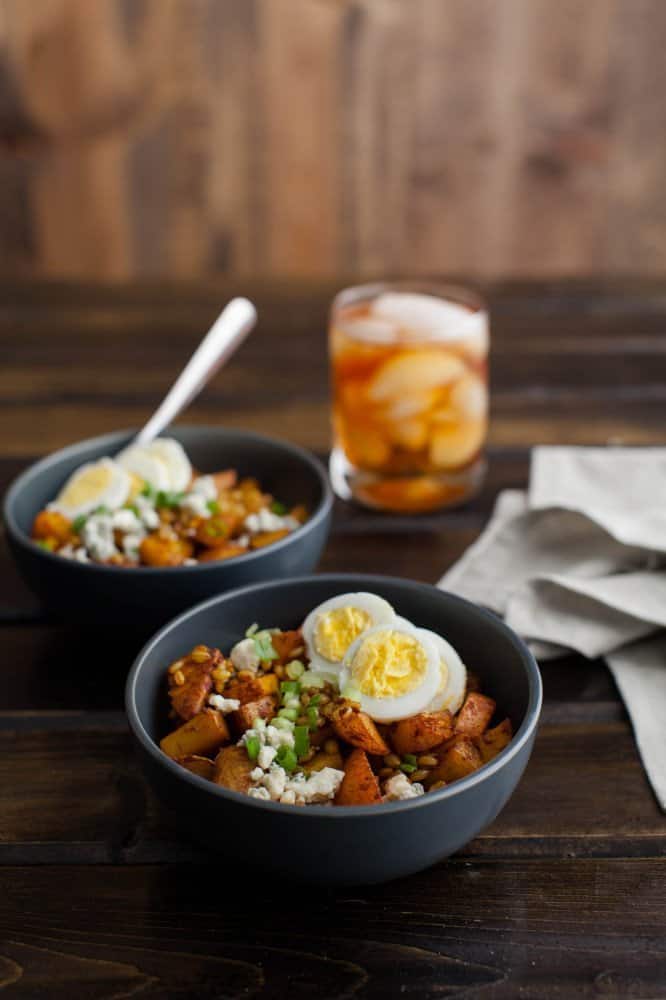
(409,379)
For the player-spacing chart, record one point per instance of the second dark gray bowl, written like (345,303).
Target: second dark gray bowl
(324,844)
(146,597)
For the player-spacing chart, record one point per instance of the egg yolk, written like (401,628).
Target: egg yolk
(337,629)
(389,664)
(87,486)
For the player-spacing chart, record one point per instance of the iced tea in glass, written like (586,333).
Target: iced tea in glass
(409,373)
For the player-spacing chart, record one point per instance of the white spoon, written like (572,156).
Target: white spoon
(224,337)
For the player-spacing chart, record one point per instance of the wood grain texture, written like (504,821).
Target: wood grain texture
(312,137)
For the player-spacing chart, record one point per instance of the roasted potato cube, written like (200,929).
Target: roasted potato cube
(359,786)
(474,716)
(263,538)
(269,683)
(156,550)
(233,768)
(51,525)
(494,740)
(421,732)
(202,766)
(200,736)
(358,729)
(244,688)
(212,531)
(288,645)
(243,718)
(459,759)
(191,681)
(227,550)
(324,759)
(225,480)
(299,513)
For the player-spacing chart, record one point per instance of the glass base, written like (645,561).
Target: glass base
(404,494)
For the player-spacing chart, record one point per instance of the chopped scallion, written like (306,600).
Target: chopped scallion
(281,723)
(286,758)
(78,523)
(288,688)
(312,717)
(253,746)
(301,740)
(279,508)
(251,630)
(288,713)
(213,506)
(294,669)
(264,646)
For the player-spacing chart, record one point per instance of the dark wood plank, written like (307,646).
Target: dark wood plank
(70,791)
(491,929)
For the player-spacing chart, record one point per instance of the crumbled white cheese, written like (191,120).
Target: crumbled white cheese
(398,788)
(275,780)
(205,487)
(147,513)
(78,555)
(195,504)
(190,562)
(97,536)
(127,521)
(277,738)
(321,786)
(244,655)
(224,705)
(131,545)
(266,520)
(266,757)
(256,774)
(259,793)
(289,797)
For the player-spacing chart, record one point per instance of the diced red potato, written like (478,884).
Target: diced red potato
(226,550)
(225,480)
(155,550)
(200,736)
(287,644)
(203,766)
(493,741)
(421,732)
(475,715)
(191,681)
(50,524)
(358,729)
(460,758)
(244,688)
(233,768)
(244,717)
(359,786)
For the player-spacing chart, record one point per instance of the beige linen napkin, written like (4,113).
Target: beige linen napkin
(576,564)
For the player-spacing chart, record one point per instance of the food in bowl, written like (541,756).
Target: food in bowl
(356,707)
(149,507)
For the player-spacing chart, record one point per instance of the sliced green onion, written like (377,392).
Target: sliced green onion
(46,543)
(278,507)
(351,692)
(253,746)
(290,688)
(314,701)
(213,506)
(102,509)
(78,523)
(259,724)
(301,740)
(249,632)
(286,758)
(317,678)
(294,669)
(288,713)
(408,768)
(312,714)
(291,702)
(409,758)
(281,723)
(149,491)
(168,498)
(264,646)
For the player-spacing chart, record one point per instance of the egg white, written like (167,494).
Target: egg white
(453,675)
(402,706)
(379,611)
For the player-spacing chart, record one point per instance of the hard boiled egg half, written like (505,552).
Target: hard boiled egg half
(332,627)
(453,675)
(394,670)
(163,463)
(96,484)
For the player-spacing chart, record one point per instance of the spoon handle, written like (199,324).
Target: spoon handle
(225,335)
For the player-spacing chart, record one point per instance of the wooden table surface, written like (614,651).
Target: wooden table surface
(564,895)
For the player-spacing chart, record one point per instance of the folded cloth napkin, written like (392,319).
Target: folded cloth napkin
(579,563)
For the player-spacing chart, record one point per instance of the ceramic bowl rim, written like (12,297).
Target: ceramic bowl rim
(351,581)
(25,479)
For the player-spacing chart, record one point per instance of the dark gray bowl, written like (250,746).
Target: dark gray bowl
(146,596)
(324,844)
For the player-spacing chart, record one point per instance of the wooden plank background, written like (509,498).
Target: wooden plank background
(181,138)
